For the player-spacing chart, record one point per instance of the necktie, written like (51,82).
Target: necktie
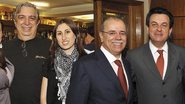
(160,62)
(121,77)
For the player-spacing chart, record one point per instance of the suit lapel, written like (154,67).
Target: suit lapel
(149,61)
(171,61)
(127,69)
(107,69)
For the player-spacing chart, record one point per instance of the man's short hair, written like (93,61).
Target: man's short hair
(26,4)
(159,10)
(90,30)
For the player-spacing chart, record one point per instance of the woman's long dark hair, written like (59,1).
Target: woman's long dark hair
(74,28)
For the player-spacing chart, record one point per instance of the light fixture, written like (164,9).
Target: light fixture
(40,4)
(84,17)
(110,14)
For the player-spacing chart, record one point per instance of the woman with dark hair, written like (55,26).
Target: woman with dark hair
(65,49)
(6,76)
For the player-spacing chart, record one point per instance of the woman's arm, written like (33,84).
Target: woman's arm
(43,94)
(9,70)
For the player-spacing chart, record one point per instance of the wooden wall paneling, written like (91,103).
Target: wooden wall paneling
(97,21)
(136,24)
(131,30)
(115,7)
(178,31)
(139,25)
(159,3)
(155,3)
(177,7)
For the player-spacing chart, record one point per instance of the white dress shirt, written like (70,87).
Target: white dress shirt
(156,55)
(111,58)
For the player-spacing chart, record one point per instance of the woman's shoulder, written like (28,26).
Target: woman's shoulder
(4,81)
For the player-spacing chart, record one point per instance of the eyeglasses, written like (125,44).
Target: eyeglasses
(24,51)
(113,33)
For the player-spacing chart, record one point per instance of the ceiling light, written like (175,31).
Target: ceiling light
(111,14)
(84,17)
(40,4)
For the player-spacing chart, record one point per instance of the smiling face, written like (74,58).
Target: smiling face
(159,29)
(114,37)
(26,22)
(65,38)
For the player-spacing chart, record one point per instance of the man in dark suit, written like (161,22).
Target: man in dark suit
(94,78)
(164,83)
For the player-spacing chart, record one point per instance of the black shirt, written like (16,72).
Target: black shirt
(25,88)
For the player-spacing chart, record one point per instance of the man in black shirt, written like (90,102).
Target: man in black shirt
(27,53)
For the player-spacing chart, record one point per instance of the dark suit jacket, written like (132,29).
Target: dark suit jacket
(151,89)
(93,81)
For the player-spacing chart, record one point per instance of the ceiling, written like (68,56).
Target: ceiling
(61,8)
(58,8)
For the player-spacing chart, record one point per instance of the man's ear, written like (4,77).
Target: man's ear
(170,32)
(101,36)
(14,21)
(147,29)
(38,22)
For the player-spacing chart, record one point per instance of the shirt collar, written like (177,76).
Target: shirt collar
(111,58)
(154,48)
